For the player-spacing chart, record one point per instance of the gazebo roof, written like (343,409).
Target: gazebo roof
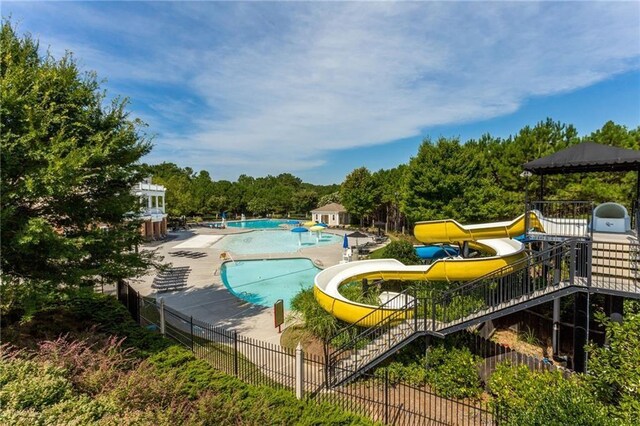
(586,157)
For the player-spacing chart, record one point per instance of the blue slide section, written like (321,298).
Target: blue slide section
(436,252)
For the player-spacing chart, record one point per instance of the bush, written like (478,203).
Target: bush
(27,384)
(450,372)
(401,250)
(316,320)
(453,372)
(84,311)
(523,397)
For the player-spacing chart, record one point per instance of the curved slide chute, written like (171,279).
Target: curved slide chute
(450,231)
(492,238)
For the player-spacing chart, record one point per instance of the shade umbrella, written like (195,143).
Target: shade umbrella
(309,223)
(299,230)
(345,242)
(317,229)
(324,225)
(357,235)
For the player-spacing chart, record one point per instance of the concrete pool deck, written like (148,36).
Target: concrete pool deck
(206,297)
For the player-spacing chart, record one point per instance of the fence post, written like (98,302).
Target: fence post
(192,343)
(162,323)
(235,353)
(299,372)
(433,313)
(326,363)
(386,396)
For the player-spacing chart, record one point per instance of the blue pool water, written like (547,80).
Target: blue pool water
(274,241)
(261,223)
(263,282)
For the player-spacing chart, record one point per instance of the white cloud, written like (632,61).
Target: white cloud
(283,84)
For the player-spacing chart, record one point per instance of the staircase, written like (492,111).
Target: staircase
(544,276)
(380,348)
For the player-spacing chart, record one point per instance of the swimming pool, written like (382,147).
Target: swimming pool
(263,282)
(274,241)
(261,223)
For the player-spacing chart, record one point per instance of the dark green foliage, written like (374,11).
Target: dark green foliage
(523,397)
(192,194)
(83,311)
(67,165)
(71,382)
(479,180)
(356,292)
(614,370)
(358,193)
(318,321)
(453,372)
(401,250)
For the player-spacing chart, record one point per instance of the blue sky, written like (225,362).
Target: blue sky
(318,89)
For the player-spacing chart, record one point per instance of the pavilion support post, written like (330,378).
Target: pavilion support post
(636,206)
(580,330)
(541,195)
(555,342)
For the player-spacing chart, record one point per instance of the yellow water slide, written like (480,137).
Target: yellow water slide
(450,231)
(491,238)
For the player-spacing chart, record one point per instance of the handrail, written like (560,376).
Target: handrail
(514,267)
(379,310)
(490,293)
(563,210)
(562,267)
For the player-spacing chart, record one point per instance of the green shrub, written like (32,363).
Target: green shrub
(28,384)
(453,372)
(193,376)
(401,250)
(80,410)
(13,417)
(316,320)
(523,397)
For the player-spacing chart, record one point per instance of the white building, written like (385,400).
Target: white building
(154,225)
(333,214)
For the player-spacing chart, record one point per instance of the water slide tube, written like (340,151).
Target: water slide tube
(433,252)
(492,238)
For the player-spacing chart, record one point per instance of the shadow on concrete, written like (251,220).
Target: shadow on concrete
(215,306)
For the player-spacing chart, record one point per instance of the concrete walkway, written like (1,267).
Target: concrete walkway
(205,297)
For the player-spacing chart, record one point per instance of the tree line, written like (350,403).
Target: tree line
(480,180)
(197,194)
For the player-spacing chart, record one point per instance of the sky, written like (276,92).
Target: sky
(318,89)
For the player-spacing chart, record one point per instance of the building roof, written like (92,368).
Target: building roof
(586,157)
(330,208)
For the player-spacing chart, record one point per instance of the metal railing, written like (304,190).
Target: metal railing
(375,395)
(539,274)
(562,219)
(424,310)
(615,267)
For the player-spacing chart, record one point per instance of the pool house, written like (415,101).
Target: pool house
(333,214)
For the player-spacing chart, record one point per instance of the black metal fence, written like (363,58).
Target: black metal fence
(374,395)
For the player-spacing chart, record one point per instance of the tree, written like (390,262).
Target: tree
(390,184)
(401,250)
(358,193)
(523,397)
(614,370)
(304,201)
(68,165)
(333,197)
